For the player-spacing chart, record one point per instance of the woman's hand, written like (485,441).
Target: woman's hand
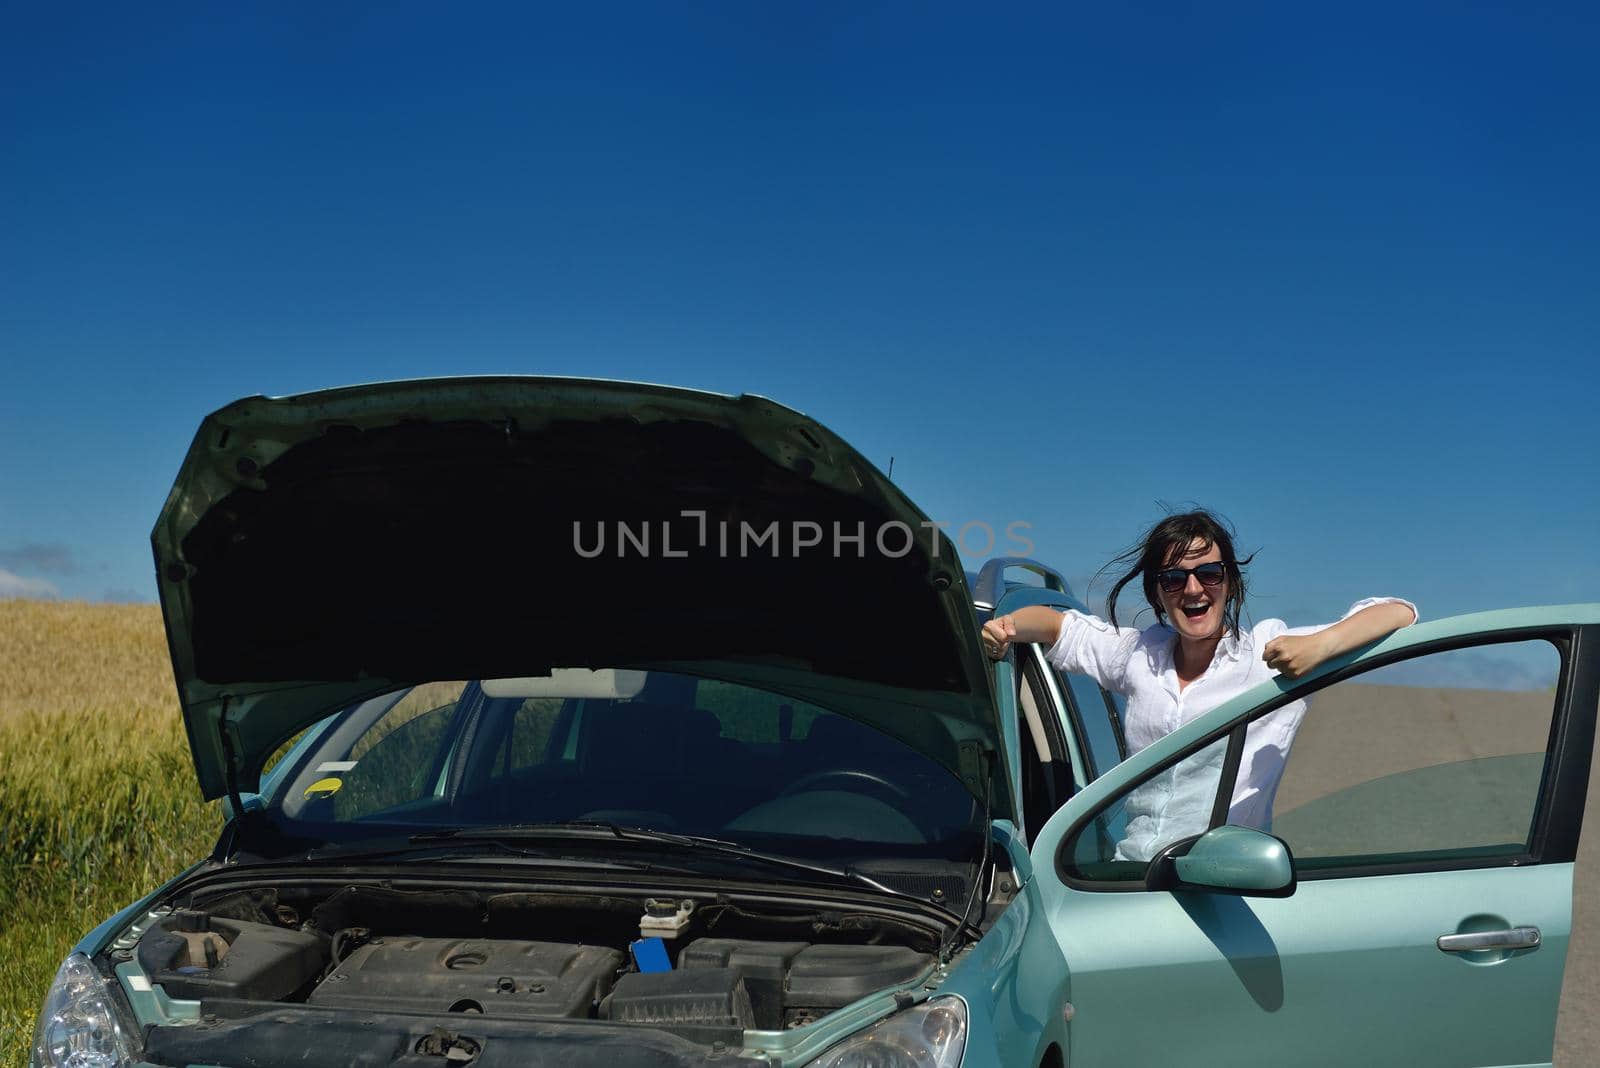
(998,634)
(1293,655)
(1035,623)
(1296,654)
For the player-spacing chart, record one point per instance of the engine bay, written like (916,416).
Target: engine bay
(444,971)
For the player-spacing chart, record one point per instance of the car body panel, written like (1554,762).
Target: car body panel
(1347,969)
(1005,686)
(1009,982)
(284,549)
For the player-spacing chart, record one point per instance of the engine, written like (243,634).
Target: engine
(448,967)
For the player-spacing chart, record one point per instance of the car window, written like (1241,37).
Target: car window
(1098,720)
(532,731)
(1117,844)
(1048,777)
(1433,760)
(755,717)
(399,759)
(656,749)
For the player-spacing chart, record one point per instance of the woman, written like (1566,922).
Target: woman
(1192,659)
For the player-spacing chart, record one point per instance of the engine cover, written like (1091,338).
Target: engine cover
(492,977)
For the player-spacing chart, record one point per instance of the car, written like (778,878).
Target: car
(581,722)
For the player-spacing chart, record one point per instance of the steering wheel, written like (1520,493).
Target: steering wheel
(853,780)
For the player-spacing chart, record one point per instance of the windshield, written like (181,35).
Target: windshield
(652,749)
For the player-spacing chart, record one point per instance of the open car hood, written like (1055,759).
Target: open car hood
(321,548)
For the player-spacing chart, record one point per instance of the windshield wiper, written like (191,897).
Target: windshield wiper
(424,847)
(448,843)
(601,830)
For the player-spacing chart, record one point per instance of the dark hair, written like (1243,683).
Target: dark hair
(1164,545)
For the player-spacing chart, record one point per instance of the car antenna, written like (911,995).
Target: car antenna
(891,469)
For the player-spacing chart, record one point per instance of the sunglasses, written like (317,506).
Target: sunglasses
(1174,579)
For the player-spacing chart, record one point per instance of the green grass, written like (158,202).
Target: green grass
(98,803)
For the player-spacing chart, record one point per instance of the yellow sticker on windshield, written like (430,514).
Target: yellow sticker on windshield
(324,787)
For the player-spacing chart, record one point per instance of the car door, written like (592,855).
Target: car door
(1431,799)
(1052,764)
(1087,717)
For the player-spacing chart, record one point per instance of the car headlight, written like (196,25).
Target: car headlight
(78,1028)
(930,1035)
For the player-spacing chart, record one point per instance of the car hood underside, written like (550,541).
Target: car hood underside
(320,548)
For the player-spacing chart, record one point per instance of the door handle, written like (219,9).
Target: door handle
(1512,938)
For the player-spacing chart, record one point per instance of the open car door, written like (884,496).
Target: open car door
(1407,899)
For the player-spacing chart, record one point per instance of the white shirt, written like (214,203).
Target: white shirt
(1138,664)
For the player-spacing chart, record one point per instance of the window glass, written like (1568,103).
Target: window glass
(373,756)
(755,716)
(418,701)
(1176,803)
(1048,778)
(528,738)
(1094,711)
(654,749)
(404,764)
(1437,757)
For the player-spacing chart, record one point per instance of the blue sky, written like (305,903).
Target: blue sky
(1331,273)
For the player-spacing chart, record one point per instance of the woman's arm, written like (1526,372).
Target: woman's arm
(1035,623)
(1295,654)
(1074,642)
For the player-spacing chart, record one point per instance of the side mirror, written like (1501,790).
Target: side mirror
(1226,860)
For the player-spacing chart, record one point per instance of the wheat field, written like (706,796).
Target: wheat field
(98,802)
